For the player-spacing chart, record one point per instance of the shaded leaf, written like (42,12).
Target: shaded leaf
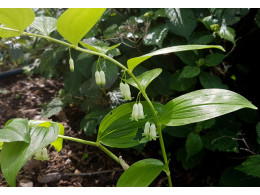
(251,166)
(141,173)
(179,131)
(202,105)
(45,25)
(54,107)
(214,59)
(74,23)
(181,84)
(15,18)
(208,80)
(133,62)
(258,132)
(193,144)
(190,72)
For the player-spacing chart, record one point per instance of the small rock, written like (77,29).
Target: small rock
(25,183)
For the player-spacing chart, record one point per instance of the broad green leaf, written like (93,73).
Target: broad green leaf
(133,62)
(156,35)
(202,105)
(15,154)
(15,18)
(141,173)
(181,84)
(15,130)
(205,124)
(182,21)
(227,33)
(179,131)
(251,166)
(45,25)
(193,144)
(208,80)
(118,130)
(202,38)
(74,23)
(146,78)
(190,72)
(54,107)
(214,59)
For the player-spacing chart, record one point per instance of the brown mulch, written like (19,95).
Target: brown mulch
(76,165)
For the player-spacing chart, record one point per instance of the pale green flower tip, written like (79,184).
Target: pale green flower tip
(98,78)
(71,62)
(102,78)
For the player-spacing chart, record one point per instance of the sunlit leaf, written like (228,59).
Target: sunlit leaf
(74,23)
(202,105)
(15,18)
(133,62)
(141,173)
(45,25)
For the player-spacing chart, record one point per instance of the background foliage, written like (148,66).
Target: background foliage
(229,145)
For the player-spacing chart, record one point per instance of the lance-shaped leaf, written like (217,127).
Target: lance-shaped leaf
(17,19)
(15,154)
(202,105)
(74,23)
(146,78)
(15,130)
(141,173)
(133,62)
(118,130)
(45,25)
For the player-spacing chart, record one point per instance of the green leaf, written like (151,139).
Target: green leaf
(181,84)
(54,107)
(179,131)
(45,25)
(258,132)
(190,72)
(141,173)
(251,166)
(1,144)
(182,21)
(118,130)
(133,62)
(146,78)
(208,80)
(15,130)
(193,144)
(15,154)
(156,35)
(227,33)
(214,59)
(15,18)
(205,124)
(202,38)
(162,84)
(57,144)
(202,105)
(74,23)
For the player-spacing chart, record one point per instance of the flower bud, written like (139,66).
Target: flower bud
(122,89)
(153,132)
(140,111)
(147,129)
(71,62)
(135,112)
(127,92)
(97,77)
(103,78)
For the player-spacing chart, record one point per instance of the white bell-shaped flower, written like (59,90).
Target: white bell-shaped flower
(122,89)
(153,132)
(147,130)
(135,112)
(71,62)
(140,111)
(127,92)
(98,78)
(102,78)
(41,155)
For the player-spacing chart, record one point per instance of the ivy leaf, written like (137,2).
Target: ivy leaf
(54,107)
(45,25)
(141,173)
(15,154)
(189,72)
(15,18)
(227,33)
(146,78)
(182,21)
(202,105)
(133,62)
(75,23)
(214,59)
(251,166)
(193,144)
(208,80)
(156,35)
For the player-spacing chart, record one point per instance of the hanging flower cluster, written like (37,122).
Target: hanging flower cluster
(138,112)
(150,131)
(100,78)
(125,91)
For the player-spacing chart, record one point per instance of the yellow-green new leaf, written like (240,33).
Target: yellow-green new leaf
(16,19)
(133,62)
(75,23)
